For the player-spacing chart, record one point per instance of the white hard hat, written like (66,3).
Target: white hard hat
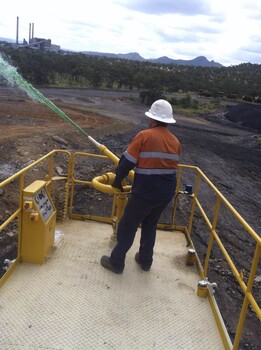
(161,110)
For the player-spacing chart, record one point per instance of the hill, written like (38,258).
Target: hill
(199,61)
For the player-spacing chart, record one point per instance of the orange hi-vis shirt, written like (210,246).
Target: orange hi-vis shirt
(154,151)
(155,155)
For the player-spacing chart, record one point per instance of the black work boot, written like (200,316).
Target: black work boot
(144,267)
(105,262)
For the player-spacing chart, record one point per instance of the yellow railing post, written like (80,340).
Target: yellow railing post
(193,207)
(176,196)
(21,187)
(250,283)
(211,238)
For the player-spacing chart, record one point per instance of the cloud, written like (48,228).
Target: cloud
(192,34)
(254,47)
(217,29)
(161,7)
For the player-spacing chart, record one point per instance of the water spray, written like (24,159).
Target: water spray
(15,79)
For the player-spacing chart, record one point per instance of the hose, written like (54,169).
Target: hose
(15,79)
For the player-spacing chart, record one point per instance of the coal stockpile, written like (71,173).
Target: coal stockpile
(245,114)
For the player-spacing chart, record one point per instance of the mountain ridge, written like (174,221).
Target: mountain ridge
(200,61)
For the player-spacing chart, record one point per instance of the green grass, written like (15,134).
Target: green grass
(191,105)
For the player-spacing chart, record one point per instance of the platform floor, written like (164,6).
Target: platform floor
(72,302)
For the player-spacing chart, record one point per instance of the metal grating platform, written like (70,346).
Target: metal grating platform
(71,302)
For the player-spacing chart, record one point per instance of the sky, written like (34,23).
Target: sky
(226,31)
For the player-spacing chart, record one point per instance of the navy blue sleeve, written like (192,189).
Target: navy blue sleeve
(123,169)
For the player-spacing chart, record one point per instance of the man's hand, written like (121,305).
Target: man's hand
(117,184)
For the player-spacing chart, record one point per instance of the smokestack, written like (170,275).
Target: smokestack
(17,29)
(32,30)
(29,32)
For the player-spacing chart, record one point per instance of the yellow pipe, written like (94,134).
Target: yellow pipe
(112,157)
(121,204)
(103,183)
(109,154)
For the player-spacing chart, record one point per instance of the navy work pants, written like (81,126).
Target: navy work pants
(138,211)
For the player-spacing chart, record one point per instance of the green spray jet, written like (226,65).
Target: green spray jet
(15,79)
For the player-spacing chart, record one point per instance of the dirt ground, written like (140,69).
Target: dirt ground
(227,153)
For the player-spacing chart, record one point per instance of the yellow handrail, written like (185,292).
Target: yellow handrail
(20,175)
(211,224)
(246,289)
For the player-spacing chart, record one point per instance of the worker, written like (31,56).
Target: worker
(154,153)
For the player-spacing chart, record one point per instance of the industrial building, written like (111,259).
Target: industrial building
(34,42)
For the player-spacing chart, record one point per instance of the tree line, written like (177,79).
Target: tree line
(66,69)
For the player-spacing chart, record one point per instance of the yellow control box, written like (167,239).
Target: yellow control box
(38,223)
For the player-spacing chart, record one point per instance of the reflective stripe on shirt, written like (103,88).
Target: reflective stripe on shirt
(159,155)
(155,171)
(130,157)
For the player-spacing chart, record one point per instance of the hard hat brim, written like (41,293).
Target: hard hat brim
(164,120)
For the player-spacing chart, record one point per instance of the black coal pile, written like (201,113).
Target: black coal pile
(245,114)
